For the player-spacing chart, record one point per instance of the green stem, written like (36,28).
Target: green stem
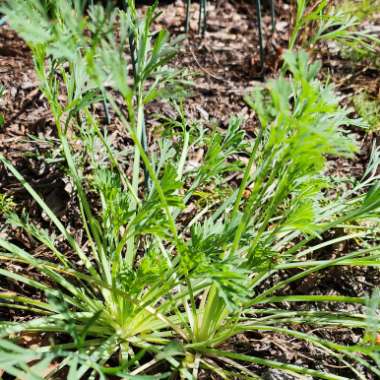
(270,363)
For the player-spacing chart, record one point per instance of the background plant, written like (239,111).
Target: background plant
(368,109)
(331,22)
(364,10)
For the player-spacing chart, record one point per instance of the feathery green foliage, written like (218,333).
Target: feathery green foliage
(330,23)
(148,284)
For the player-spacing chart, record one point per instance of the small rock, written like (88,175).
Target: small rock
(275,374)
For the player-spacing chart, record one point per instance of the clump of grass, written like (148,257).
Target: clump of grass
(7,204)
(368,109)
(149,290)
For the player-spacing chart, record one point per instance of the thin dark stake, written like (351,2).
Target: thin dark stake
(260,31)
(200,16)
(106,111)
(204,20)
(273,13)
(187,22)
